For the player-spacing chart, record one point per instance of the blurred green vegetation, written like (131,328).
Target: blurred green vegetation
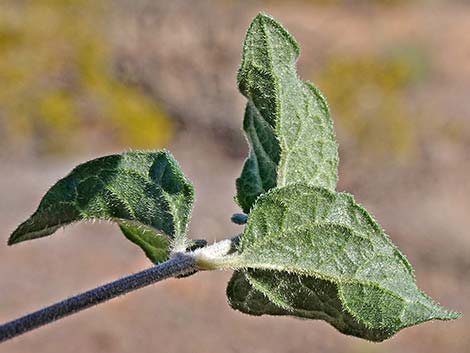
(57,88)
(368,95)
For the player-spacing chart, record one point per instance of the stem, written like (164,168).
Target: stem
(179,265)
(218,256)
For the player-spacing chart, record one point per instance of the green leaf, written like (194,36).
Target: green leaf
(287,121)
(156,246)
(260,169)
(244,297)
(309,252)
(252,292)
(144,192)
(319,255)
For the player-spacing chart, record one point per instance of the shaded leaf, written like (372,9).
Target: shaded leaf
(156,246)
(252,292)
(245,298)
(145,192)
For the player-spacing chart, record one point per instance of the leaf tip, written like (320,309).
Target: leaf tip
(452,315)
(15,237)
(266,20)
(262,16)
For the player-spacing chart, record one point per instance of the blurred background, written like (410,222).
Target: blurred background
(80,79)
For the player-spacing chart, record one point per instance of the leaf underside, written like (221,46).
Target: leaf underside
(316,254)
(155,246)
(313,299)
(144,192)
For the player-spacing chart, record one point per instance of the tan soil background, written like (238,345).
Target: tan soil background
(186,55)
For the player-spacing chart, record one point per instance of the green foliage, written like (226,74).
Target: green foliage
(306,251)
(320,242)
(287,121)
(144,192)
(55,56)
(155,246)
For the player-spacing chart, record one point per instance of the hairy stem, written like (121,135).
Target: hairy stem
(179,265)
(217,256)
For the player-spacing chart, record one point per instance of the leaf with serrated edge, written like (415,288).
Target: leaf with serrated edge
(287,121)
(145,192)
(322,256)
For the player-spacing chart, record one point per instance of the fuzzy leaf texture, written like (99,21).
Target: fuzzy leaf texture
(287,121)
(145,193)
(315,253)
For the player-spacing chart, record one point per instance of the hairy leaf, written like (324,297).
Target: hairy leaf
(155,246)
(317,254)
(287,121)
(145,192)
(306,297)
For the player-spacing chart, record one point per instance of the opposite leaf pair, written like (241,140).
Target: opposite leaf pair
(306,251)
